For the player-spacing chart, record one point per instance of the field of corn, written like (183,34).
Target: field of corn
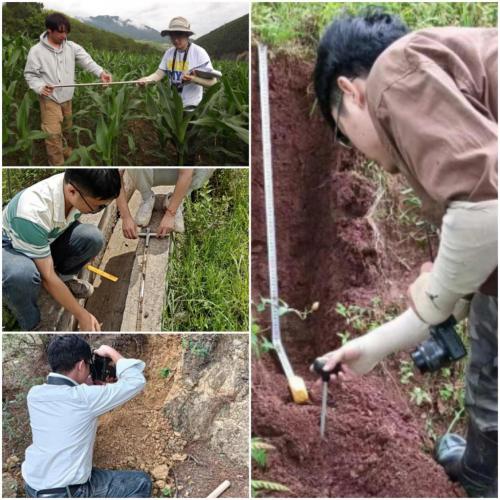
(129,125)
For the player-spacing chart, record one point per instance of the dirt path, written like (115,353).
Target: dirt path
(328,251)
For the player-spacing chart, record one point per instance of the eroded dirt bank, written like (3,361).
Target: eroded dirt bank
(330,251)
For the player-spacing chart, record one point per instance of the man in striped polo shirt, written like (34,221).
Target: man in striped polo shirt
(43,243)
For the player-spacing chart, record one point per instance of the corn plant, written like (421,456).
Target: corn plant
(22,135)
(114,109)
(217,130)
(166,111)
(228,120)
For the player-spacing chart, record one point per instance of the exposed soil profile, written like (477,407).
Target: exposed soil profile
(329,251)
(157,431)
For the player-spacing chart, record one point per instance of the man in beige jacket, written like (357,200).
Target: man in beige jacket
(425,104)
(52,62)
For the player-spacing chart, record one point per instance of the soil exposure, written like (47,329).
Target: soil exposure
(328,252)
(159,431)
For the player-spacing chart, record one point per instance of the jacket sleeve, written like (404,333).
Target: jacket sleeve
(467,256)
(85,61)
(103,398)
(33,72)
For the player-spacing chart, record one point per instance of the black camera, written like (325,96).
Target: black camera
(101,368)
(178,86)
(444,347)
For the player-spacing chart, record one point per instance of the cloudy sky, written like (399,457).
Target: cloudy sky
(203,16)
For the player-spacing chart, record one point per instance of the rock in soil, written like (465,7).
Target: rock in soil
(9,486)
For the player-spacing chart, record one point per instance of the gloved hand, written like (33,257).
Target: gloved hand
(360,355)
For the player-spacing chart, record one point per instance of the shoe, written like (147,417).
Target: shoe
(472,462)
(81,289)
(449,452)
(145,211)
(179,218)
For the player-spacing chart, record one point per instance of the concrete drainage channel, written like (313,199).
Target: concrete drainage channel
(117,304)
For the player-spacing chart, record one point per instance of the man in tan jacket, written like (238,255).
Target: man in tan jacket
(424,104)
(52,62)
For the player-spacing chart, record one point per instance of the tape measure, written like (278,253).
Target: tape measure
(269,198)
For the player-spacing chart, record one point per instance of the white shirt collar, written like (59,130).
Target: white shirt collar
(60,204)
(60,375)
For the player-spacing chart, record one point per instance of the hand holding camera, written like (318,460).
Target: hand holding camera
(103,367)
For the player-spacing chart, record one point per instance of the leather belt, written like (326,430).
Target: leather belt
(59,492)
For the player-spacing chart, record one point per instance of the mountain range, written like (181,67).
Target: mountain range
(124,27)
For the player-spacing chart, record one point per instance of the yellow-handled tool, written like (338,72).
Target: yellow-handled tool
(104,274)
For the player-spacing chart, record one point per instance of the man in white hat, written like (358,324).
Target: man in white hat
(180,63)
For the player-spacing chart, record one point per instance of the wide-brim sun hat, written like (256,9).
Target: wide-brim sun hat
(178,24)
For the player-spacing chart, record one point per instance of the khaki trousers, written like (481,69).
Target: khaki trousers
(56,121)
(144,179)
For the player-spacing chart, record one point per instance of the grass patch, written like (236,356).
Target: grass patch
(208,272)
(300,25)
(17,179)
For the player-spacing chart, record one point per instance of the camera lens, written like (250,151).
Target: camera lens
(429,356)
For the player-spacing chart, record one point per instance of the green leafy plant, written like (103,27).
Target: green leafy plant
(260,344)
(344,337)
(166,492)
(420,396)
(405,371)
(259,449)
(212,297)
(196,347)
(165,372)
(284,308)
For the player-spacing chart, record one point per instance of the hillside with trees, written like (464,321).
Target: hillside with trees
(228,41)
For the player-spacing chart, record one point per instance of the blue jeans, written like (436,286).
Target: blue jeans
(21,281)
(109,484)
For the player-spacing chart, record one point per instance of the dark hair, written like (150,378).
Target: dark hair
(349,47)
(65,351)
(55,20)
(100,183)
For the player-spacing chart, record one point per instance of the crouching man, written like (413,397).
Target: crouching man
(63,416)
(44,244)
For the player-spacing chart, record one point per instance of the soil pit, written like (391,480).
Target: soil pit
(330,250)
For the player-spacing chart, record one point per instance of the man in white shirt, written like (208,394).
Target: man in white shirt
(180,63)
(63,417)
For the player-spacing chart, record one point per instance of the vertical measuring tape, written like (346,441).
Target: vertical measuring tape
(269,197)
